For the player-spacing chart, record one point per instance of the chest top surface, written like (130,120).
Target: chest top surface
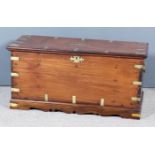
(75,45)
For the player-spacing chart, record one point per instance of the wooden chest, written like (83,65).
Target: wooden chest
(77,75)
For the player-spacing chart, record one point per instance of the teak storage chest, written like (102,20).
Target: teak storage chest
(77,75)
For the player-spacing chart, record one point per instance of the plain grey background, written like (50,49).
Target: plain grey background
(8,34)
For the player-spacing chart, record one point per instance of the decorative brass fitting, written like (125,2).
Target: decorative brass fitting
(76,59)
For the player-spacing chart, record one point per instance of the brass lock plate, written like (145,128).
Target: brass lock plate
(76,59)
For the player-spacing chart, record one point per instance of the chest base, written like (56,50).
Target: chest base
(75,108)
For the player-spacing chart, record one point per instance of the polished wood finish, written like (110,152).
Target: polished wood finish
(105,82)
(54,74)
(69,45)
(75,108)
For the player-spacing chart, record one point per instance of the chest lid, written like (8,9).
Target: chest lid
(75,45)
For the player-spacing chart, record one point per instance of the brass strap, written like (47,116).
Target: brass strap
(46,97)
(102,102)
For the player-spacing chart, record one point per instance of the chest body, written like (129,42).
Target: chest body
(73,75)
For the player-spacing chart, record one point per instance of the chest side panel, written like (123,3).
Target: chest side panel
(90,81)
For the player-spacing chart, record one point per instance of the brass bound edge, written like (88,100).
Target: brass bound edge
(139,67)
(135,99)
(13,105)
(14,75)
(13,58)
(137,83)
(16,90)
(136,115)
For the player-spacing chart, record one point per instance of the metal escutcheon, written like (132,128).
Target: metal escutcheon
(76,59)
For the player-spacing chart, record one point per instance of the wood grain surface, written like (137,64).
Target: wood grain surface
(76,108)
(95,78)
(46,76)
(45,44)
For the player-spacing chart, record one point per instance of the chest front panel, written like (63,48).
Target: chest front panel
(57,78)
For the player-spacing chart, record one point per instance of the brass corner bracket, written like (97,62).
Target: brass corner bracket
(13,105)
(15,90)
(13,58)
(139,67)
(137,83)
(135,99)
(14,74)
(136,115)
